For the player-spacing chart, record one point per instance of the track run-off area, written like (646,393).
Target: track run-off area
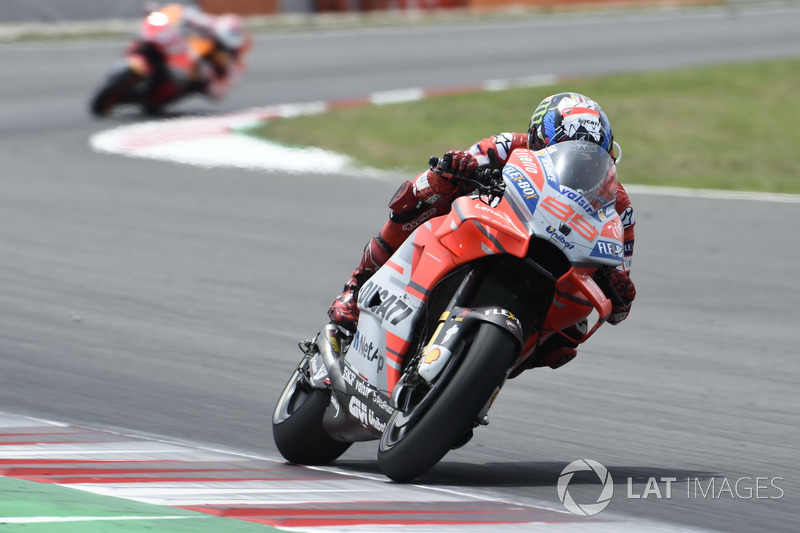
(59,477)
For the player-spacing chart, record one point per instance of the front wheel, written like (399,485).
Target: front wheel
(297,423)
(114,92)
(414,441)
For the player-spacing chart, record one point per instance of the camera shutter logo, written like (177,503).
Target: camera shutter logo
(585,465)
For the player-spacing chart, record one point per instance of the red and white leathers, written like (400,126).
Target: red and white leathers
(221,65)
(431,195)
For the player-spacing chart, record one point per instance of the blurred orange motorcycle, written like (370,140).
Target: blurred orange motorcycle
(178,51)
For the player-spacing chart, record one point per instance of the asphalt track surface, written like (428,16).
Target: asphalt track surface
(168,300)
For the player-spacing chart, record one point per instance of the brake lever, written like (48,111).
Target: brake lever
(491,186)
(440,164)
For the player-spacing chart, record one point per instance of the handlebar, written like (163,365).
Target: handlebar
(488,182)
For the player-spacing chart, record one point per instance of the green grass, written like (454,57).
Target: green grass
(723,127)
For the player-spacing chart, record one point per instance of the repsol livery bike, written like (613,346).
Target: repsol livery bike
(161,65)
(463,304)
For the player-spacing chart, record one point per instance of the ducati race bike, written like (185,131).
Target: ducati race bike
(463,304)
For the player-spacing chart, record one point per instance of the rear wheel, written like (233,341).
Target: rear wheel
(414,441)
(115,91)
(297,423)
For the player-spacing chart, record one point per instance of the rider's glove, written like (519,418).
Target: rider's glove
(454,164)
(626,290)
(457,164)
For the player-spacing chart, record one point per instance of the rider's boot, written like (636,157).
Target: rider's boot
(556,351)
(344,310)
(407,214)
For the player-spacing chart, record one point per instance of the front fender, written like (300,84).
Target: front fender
(456,323)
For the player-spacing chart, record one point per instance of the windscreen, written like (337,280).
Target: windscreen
(587,169)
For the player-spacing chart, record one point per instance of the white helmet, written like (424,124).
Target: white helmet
(230,31)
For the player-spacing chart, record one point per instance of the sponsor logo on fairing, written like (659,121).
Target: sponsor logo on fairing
(607,250)
(524,186)
(434,359)
(449,333)
(432,356)
(362,388)
(365,415)
(577,198)
(358,409)
(375,422)
(528,163)
(549,171)
(503,312)
(556,236)
(513,173)
(367,349)
(348,375)
(381,403)
(366,390)
(498,214)
(504,218)
(613,228)
(388,307)
(527,190)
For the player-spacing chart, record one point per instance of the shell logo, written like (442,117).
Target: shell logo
(432,356)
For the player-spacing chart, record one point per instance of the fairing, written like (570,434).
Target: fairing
(547,193)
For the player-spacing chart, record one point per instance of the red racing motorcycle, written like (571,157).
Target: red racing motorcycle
(160,66)
(463,304)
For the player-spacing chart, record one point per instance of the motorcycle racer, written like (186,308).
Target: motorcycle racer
(558,118)
(222,65)
(177,51)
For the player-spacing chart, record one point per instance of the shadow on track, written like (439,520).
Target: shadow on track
(528,474)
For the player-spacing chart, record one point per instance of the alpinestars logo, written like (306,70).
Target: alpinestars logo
(588,509)
(503,142)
